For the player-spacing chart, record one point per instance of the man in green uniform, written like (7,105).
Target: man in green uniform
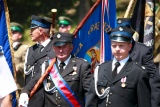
(19,53)
(64,24)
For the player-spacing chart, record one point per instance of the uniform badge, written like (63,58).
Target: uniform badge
(58,36)
(123,80)
(74,72)
(48,85)
(119,21)
(120,29)
(102,90)
(143,67)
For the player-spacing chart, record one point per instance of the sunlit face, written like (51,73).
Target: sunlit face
(63,52)
(64,29)
(120,50)
(16,36)
(35,34)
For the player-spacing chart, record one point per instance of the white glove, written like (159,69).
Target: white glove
(23,100)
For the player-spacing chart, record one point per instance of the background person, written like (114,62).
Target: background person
(19,54)
(64,24)
(36,55)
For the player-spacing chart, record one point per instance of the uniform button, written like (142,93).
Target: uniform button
(101,82)
(59,97)
(110,93)
(109,102)
(34,72)
(59,105)
(72,78)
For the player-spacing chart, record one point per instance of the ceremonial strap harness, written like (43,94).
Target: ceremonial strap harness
(106,91)
(62,87)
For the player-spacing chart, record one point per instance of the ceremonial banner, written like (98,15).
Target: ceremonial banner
(143,21)
(5,39)
(92,41)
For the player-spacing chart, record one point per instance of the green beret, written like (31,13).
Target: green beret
(16,27)
(64,20)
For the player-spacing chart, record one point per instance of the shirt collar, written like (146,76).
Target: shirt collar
(45,43)
(66,61)
(15,44)
(122,62)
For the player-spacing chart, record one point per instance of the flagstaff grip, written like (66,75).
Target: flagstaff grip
(54,11)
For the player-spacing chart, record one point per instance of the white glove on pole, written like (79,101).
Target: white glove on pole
(23,100)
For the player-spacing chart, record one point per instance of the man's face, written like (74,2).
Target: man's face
(16,36)
(120,50)
(35,34)
(63,52)
(64,29)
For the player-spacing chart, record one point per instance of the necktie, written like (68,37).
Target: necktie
(61,65)
(114,72)
(40,47)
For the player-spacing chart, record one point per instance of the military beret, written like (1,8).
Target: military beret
(64,21)
(121,34)
(61,39)
(16,27)
(124,22)
(37,21)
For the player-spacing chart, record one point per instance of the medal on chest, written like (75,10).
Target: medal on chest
(123,82)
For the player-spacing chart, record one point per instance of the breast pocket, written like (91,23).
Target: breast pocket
(73,81)
(128,91)
(102,85)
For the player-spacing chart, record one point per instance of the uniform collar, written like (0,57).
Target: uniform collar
(15,44)
(45,43)
(66,61)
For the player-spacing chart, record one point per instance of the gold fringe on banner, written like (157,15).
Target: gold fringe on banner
(9,38)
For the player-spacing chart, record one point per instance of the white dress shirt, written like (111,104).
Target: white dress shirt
(122,63)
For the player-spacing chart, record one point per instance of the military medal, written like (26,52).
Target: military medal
(123,85)
(123,80)
(74,71)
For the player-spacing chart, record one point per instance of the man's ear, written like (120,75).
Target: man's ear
(20,36)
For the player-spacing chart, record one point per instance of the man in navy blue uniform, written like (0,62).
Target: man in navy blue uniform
(35,56)
(120,82)
(144,55)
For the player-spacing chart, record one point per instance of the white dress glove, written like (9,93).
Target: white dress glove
(23,100)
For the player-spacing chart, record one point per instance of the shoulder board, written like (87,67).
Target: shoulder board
(139,65)
(82,59)
(103,63)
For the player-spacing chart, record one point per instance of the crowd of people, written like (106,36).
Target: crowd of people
(130,79)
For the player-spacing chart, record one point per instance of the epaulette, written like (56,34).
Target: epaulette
(103,63)
(82,59)
(139,65)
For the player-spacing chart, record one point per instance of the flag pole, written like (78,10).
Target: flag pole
(86,17)
(130,8)
(54,11)
(14,103)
